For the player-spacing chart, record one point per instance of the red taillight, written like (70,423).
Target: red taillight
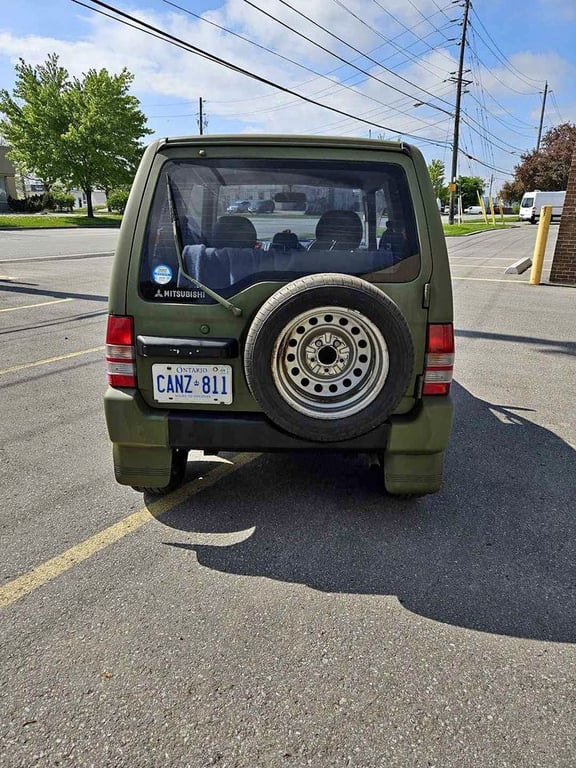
(120,352)
(439,359)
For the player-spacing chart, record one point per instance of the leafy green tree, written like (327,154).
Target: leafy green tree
(84,132)
(469,187)
(437,171)
(102,142)
(35,119)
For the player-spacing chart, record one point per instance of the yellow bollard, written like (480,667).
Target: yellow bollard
(540,245)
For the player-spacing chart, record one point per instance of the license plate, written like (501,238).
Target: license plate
(192,383)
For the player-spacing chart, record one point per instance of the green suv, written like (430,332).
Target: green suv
(325,325)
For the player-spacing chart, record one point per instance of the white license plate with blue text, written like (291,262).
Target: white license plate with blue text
(181,383)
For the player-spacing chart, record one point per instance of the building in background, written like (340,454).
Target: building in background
(7,179)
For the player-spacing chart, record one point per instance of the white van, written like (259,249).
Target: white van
(532,203)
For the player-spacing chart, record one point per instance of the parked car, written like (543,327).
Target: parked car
(261,206)
(224,338)
(473,209)
(239,206)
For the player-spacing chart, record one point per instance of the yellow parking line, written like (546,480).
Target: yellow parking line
(487,280)
(49,570)
(15,368)
(31,306)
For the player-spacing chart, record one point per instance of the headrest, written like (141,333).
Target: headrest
(285,241)
(343,227)
(234,232)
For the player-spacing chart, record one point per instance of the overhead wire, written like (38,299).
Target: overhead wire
(142,26)
(338,83)
(389,40)
(482,133)
(495,76)
(502,56)
(408,29)
(553,98)
(337,56)
(122,16)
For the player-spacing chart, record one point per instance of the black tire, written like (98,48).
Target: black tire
(369,379)
(177,474)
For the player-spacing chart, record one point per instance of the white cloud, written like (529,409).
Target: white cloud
(165,72)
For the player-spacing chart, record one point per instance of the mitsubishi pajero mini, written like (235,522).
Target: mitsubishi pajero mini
(323,326)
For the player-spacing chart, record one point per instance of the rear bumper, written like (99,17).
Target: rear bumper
(131,422)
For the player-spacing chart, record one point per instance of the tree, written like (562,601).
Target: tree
(84,132)
(102,142)
(511,192)
(548,168)
(35,119)
(469,188)
(437,172)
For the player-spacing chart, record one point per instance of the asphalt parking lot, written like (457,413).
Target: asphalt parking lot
(280,610)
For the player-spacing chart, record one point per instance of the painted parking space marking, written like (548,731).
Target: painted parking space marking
(477,266)
(49,360)
(39,304)
(71,256)
(490,280)
(51,569)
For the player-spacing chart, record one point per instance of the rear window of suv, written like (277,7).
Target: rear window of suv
(354,218)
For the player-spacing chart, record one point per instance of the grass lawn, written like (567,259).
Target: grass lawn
(60,221)
(468,227)
(76,220)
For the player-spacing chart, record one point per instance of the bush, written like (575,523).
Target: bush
(48,202)
(117,200)
(33,204)
(61,200)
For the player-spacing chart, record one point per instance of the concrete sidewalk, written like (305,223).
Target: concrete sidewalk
(495,250)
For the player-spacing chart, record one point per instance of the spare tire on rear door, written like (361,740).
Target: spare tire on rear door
(328,357)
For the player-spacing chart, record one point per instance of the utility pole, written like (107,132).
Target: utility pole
(202,121)
(542,116)
(454,170)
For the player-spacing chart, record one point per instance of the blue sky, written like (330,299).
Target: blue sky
(388,62)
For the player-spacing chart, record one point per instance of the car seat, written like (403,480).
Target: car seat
(285,241)
(393,242)
(338,230)
(234,232)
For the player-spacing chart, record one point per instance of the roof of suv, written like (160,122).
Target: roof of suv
(283,139)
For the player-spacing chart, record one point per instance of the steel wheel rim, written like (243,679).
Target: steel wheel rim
(330,362)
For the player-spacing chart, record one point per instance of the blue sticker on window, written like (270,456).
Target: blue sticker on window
(162,274)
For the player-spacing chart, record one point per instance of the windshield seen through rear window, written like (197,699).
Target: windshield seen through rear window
(239,222)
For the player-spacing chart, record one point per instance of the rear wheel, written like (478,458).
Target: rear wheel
(177,474)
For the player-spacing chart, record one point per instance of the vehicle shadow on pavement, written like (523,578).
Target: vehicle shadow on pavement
(494,551)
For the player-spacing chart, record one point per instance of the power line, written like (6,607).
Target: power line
(502,56)
(397,20)
(340,84)
(553,98)
(178,42)
(486,165)
(337,56)
(390,40)
(506,85)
